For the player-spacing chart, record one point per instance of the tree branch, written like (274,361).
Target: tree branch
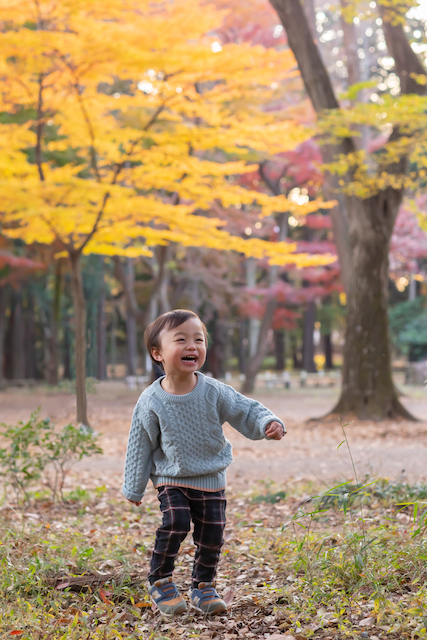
(97,221)
(128,289)
(76,87)
(406,60)
(274,187)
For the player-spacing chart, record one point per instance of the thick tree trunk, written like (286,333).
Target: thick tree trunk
(80,337)
(368,389)
(3,306)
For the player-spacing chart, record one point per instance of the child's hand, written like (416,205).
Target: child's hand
(274,431)
(137,503)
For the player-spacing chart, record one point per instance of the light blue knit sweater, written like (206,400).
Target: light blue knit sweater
(178,440)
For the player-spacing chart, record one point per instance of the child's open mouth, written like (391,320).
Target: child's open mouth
(189,359)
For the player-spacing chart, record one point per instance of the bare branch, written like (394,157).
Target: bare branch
(97,221)
(91,131)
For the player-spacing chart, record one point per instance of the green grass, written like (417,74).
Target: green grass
(312,567)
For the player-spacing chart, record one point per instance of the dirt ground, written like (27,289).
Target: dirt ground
(396,450)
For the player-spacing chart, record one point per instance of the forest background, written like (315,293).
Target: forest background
(193,166)
(263,163)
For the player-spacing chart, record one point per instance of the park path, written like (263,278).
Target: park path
(392,449)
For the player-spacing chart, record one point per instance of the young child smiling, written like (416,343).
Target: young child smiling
(176,440)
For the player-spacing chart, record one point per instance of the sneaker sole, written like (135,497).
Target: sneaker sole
(209,613)
(172,614)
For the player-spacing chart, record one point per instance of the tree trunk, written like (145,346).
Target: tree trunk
(295,359)
(3,306)
(163,278)
(308,341)
(113,342)
(132,344)
(254,323)
(310,12)
(368,389)
(265,332)
(350,48)
(80,337)
(30,339)
(216,354)
(131,326)
(279,349)
(18,337)
(243,342)
(55,315)
(328,351)
(67,351)
(101,369)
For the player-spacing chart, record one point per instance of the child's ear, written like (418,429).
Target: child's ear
(156,354)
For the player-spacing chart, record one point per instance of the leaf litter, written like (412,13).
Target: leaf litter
(294,565)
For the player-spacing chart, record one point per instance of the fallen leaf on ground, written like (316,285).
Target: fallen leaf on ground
(228,597)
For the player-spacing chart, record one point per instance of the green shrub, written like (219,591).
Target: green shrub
(36,448)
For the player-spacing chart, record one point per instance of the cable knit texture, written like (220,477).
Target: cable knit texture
(178,440)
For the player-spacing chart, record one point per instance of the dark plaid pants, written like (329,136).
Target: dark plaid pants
(179,506)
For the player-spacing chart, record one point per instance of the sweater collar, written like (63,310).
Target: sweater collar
(186,397)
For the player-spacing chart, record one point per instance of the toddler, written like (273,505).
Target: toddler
(176,440)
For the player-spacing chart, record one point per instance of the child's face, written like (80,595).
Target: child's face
(183,349)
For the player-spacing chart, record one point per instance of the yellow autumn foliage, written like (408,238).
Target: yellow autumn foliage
(122,123)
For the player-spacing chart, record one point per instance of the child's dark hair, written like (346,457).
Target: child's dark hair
(168,320)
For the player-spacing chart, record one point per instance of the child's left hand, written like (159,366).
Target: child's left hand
(274,431)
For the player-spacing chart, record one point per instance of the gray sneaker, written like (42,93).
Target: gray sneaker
(204,598)
(166,597)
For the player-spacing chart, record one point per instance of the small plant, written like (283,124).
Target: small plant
(20,461)
(36,447)
(61,449)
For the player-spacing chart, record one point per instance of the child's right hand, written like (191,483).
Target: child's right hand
(133,502)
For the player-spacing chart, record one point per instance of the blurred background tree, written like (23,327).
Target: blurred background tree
(120,139)
(134,156)
(371,174)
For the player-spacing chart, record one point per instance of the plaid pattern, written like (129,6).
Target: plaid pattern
(179,506)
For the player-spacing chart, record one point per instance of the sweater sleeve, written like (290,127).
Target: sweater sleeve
(138,455)
(246,415)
